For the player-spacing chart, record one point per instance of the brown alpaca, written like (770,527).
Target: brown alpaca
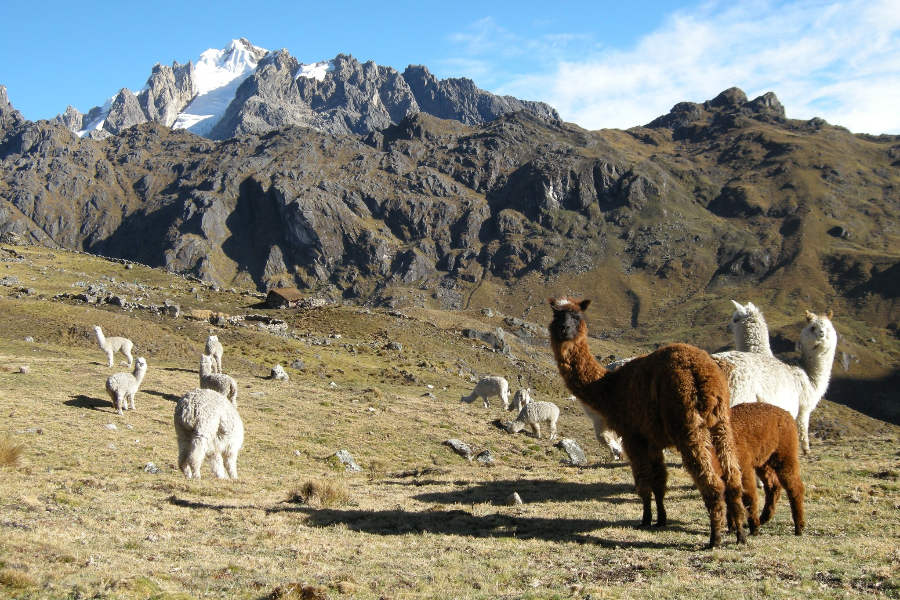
(765,438)
(675,396)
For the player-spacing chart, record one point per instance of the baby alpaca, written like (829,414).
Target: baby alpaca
(214,349)
(112,345)
(207,424)
(766,443)
(219,382)
(520,399)
(122,387)
(533,415)
(489,386)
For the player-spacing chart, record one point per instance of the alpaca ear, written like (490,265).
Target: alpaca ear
(750,306)
(584,304)
(737,305)
(809,317)
(551,301)
(829,314)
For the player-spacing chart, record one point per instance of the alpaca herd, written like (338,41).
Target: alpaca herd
(731,415)
(207,423)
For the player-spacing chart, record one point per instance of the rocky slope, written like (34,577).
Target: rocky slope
(261,91)
(661,224)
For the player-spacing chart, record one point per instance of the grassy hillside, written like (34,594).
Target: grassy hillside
(81,516)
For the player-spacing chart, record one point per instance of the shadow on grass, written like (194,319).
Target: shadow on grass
(82,401)
(163,395)
(179,369)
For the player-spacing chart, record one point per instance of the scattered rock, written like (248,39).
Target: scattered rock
(111,426)
(347,460)
(151,468)
(24,369)
(460,448)
(487,312)
(279,374)
(429,395)
(332,384)
(394,346)
(9,280)
(576,454)
(485,457)
(513,499)
(299,365)
(29,339)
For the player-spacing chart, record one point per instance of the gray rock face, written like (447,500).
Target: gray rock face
(168,91)
(10,118)
(279,374)
(461,100)
(71,119)
(346,459)
(124,112)
(460,448)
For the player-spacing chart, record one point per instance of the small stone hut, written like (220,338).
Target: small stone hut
(286,297)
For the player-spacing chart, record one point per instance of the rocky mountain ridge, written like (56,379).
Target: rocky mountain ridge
(661,225)
(274,91)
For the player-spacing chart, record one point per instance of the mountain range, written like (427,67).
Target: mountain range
(246,89)
(661,224)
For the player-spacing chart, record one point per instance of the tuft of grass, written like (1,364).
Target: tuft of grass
(15,578)
(10,452)
(297,591)
(319,493)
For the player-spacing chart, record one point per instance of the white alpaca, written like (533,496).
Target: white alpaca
(214,349)
(219,382)
(122,387)
(111,345)
(751,334)
(607,437)
(533,415)
(489,386)
(520,399)
(795,388)
(207,424)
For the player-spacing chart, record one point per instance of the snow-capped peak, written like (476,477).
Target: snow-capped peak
(217,76)
(217,68)
(315,71)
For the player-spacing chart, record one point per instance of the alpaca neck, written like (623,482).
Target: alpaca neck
(753,338)
(577,365)
(139,374)
(101,339)
(817,365)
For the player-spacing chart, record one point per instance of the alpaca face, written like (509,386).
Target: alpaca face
(141,363)
(819,334)
(568,318)
(213,338)
(742,316)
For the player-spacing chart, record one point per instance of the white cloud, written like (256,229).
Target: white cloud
(835,60)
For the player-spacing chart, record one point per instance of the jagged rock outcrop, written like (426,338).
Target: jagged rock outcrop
(460,100)
(168,91)
(340,96)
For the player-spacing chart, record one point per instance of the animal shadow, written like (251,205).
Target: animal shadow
(163,395)
(82,401)
(180,369)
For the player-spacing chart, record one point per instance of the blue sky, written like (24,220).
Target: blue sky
(601,64)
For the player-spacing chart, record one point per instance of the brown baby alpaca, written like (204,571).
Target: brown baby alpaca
(765,437)
(675,396)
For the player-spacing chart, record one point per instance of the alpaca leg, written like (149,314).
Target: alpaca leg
(723,444)
(109,358)
(642,471)
(697,462)
(789,476)
(231,463)
(196,454)
(121,403)
(536,428)
(803,429)
(218,468)
(218,363)
(486,402)
(659,477)
(126,352)
(751,501)
(773,493)
(552,430)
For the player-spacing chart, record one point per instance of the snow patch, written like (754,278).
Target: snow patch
(315,71)
(217,76)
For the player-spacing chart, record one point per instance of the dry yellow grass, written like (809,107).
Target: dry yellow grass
(81,517)
(10,452)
